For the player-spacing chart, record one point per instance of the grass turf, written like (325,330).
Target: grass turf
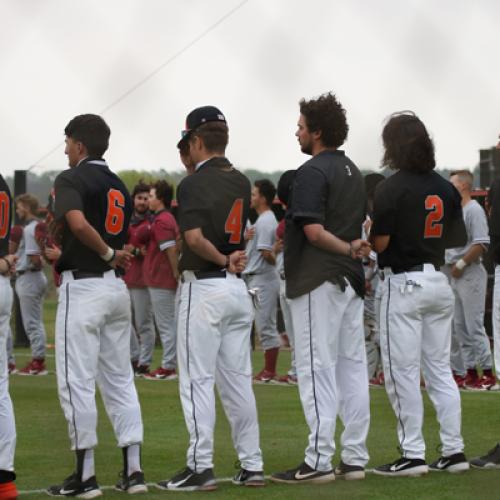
(43,456)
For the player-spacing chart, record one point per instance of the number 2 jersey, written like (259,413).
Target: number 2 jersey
(216,199)
(5,217)
(93,189)
(422,214)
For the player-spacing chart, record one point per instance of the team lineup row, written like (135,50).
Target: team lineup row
(416,216)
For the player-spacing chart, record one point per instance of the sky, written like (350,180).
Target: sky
(144,64)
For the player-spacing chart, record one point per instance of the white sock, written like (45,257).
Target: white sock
(133,458)
(88,465)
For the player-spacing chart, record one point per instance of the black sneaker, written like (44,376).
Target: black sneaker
(403,467)
(132,484)
(303,474)
(249,478)
(188,480)
(489,461)
(349,472)
(74,487)
(454,463)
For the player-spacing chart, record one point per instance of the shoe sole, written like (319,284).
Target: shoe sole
(351,476)
(44,372)
(420,470)
(171,377)
(87,495)
(488,466)
(133,490)
(327,478)
(206,487)
(453,469)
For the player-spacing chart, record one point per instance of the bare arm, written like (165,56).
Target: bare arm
(380,243)
(269,256)
(171,253)
(472,255)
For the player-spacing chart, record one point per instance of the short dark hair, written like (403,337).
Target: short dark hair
(407,144)
(92,131)
(215,136)
(140,187)
(266,189)
(326,115)
(285,185)
(164,192)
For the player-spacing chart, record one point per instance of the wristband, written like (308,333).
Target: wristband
(108,256)
(460,264)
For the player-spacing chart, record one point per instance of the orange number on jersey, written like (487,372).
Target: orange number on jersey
(234,222)
(115,216)
(4,214)
(432,227)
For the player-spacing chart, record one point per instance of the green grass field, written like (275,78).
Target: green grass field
(43,455)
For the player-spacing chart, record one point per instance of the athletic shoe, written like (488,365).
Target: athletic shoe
(403,467)
(188,480)
(486,382)
(489,461)
(142,371)
(495,388)
(471,379)
(74,487)
(12,368)
(378,380)
(454,463)
(161,374)
(303,474)
(8,491)
(135,365)
(264,377)
(459,380)
(34,367)
(349,472)
(132,484)
(249,478)
(285,380)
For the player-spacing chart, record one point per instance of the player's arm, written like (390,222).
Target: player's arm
(173,259)
(269,256)
(7,264)
(380,242)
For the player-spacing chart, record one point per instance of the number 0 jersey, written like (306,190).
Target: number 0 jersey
(216,198)
(5,217)
(93,189)
(422,213)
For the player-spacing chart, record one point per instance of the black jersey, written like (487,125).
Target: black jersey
(494,220)
(5,217)
(216,199)
(422,213)
(328,190)
(104,200)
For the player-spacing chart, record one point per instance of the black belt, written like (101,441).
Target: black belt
(412,269)
(83,275)
(20,273)
(207,275)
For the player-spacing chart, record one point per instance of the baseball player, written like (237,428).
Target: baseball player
(142,313)
(215,310)
(325,282)
(160,267)
(468,279)
(261,274)
(93,209)
(417,214)
(8,489)
(31,284)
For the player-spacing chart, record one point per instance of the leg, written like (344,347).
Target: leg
(144,323)
(496,320)
(287,318)
(163,303)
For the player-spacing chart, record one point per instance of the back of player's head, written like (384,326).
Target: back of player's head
(92,131)
(407,144)
(465,176)
(164,192)
(140,187)
(326,115)
(29,201)
(266,189)
(285,185)
(215,136)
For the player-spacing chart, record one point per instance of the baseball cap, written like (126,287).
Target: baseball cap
(198,117)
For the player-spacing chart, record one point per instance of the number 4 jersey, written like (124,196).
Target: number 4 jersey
(422,214)
(216,199)
(93,189)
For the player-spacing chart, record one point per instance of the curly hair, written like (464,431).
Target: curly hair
(164,192)
(140,187)
(407,144)
(326,115)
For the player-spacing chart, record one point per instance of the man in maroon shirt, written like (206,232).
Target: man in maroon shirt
(160,273)
(142,313)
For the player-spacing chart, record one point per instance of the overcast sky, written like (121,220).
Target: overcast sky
(60,58)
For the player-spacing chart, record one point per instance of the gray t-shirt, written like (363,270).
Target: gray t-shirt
(476,226)
(27,246)
(265,236)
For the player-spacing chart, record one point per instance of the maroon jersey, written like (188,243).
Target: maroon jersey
(164,234)
(138,236)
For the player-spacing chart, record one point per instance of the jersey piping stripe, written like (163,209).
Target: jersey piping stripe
(191,383)
(390,365)
(316,439)
(66,314)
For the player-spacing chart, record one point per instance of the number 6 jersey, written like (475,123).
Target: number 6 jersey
(93,189)
(422,214)
(216,199)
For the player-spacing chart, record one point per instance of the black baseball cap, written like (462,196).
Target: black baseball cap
(198,117)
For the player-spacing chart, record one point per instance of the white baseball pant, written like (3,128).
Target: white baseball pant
(93,345)
(496,320)
(142,318)
(287,319)
(10,347)
(163,305)
(332,373)
(7,422)
(415,333)
(214,324)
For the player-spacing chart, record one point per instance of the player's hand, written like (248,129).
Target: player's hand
(360,249)
(237,262)
(278,246)
(11,261)
(249,233)
(122,259)
(457,273)
(128,247)
(52,253)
